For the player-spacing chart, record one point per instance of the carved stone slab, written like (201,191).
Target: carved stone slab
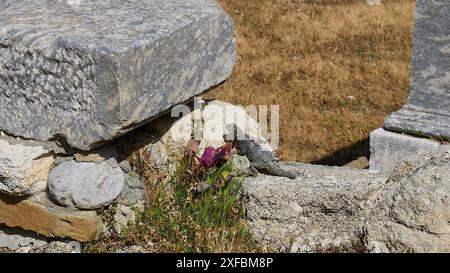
(427,112)
(91,70)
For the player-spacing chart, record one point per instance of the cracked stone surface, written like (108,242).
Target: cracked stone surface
(343,209)
(24,168)
(412,213)
(324,208)
(89,71)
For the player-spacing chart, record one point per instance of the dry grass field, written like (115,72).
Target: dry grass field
(336,68)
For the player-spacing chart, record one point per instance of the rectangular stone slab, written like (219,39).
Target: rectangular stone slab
(40,215)
(427,111)
(389,149)
(89,71)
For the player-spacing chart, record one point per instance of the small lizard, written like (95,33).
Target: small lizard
(261,160)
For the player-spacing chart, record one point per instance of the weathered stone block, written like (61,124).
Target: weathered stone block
(412,213)
(89,71)
(388,149)
(42,216)
(323,209)
(24,167)
(427,109)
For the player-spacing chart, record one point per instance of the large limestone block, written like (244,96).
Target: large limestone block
(389,149)
(89,71)
(412,213)
(324,209)
(42,216)
(24,168)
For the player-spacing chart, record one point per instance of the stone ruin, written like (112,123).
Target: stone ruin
(75,76)
(87,73)
(402,202)
(423,124)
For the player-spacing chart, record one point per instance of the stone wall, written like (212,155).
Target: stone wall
(75,76)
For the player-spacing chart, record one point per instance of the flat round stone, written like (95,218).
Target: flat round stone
(85,185)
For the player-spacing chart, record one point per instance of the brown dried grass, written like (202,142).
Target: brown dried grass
(336,68)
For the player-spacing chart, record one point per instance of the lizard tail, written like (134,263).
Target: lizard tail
(277,171)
